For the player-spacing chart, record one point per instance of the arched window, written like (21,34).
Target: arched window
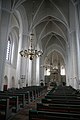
(8,53)
(5,80)
(48,72)
(62,70)
(13,82)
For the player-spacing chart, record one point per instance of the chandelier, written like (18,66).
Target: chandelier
(31,53)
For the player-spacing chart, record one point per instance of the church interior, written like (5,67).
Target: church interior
(40,59)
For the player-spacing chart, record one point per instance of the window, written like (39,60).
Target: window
(47,72)
(62,70)
(8,53)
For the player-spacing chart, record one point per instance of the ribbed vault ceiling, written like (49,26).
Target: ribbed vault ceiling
(50,19)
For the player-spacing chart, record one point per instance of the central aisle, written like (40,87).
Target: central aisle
(23,114)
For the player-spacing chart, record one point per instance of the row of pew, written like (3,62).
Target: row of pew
(61,103)
(12,100)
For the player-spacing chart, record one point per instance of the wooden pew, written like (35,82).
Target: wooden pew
(17,97)
(5,108)
(13,101)
(59,108)
(44,115)
(60,104)
(61,101)
(26,95)
(32,92)
(21,98)
(63,90)
(62,96)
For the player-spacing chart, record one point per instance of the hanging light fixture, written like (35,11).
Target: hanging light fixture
(47,64)
(31,52)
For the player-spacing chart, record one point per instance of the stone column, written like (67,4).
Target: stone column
(26,72)
(42,70)
(23,66)
(67,66)
(73,45)
(34,72)
(77,19)
(4,26)
(70,62)
(29,72)
(37,71)
(73,58)
(59,76)
(18,68)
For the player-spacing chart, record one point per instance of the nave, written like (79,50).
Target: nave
(40,46)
